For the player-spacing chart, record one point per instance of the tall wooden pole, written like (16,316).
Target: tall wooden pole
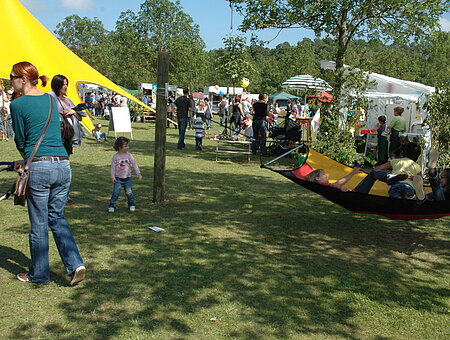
(160,128)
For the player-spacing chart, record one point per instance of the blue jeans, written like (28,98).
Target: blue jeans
(397,190)
(402,190)
(182,125)
(126,183)
(438,193)
(259,136)
(48,186)
(208,120)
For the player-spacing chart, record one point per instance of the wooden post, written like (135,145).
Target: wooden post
(160,128)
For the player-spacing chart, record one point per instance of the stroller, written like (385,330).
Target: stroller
(283,136)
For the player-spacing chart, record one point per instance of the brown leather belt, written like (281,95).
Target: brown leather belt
(50,158)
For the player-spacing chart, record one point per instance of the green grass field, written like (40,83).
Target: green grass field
(265,257)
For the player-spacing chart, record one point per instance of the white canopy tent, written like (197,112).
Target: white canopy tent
(388,92)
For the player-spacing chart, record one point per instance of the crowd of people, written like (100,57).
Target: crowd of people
(46,127)
(253,117)
(100,103)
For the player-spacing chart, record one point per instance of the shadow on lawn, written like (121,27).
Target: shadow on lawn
(274,251)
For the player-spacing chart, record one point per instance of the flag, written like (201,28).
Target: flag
(316,121)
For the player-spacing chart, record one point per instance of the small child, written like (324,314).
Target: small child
(98,134)
(121,173)
(321,177)
(247,125)
(199,130)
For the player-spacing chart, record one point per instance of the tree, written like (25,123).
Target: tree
(436,56)
(162,25)
(346,20)
(88,39)
(135,62)
(235,61)
(439,123)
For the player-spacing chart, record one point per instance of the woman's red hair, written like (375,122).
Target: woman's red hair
(28,70)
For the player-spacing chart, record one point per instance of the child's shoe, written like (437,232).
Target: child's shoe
(433,158)
(111,209)
(418,187)
(132,208)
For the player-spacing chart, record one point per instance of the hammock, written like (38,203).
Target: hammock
(376,202)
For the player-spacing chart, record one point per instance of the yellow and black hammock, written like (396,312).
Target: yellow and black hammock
(376,202)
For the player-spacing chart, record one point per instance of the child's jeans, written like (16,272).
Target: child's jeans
(126,183)
(438,193)
(99,135)
(198,142)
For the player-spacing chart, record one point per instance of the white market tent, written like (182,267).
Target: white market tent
(389,92)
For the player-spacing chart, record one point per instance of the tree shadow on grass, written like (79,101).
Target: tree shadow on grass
(248,247)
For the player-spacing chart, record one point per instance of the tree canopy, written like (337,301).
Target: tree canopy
(346,20)
(127,54)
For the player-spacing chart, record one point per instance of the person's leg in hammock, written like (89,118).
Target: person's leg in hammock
(367,183)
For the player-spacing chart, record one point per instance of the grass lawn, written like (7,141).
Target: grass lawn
(265,257)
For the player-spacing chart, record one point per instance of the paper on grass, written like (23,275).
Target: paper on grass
(155,228)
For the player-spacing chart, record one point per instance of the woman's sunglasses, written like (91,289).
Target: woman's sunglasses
(11,77)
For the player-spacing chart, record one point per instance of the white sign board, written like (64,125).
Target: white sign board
(120,121)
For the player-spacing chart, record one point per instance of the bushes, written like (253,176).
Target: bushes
(438,121)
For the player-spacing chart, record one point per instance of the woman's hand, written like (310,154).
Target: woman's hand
(19,164)
(69,112)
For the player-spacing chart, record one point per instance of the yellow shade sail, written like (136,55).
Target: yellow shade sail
(28,40)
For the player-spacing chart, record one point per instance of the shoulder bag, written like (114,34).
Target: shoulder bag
(20,192)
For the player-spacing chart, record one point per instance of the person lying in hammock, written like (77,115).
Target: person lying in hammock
(440,183)
(321,177)
(399,181)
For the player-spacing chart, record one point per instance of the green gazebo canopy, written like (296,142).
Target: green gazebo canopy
(282,96)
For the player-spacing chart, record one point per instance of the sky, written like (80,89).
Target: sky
(213,17)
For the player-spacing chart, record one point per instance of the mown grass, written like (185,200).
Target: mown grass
(267,258)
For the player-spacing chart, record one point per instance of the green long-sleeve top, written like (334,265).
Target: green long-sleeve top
(29,115)
(398,123)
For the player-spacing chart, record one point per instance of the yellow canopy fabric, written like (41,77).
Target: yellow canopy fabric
(28,40)
(336,171)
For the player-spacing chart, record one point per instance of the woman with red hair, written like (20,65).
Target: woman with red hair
(49,175)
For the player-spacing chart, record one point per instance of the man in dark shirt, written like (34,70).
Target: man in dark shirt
(260,110)
(182,103)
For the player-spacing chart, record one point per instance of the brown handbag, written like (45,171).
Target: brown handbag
(20,192)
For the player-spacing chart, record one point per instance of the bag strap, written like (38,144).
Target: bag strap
(38,143)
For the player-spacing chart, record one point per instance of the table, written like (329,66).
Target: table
(233,146)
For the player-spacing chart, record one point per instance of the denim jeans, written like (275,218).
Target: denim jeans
(223,118)
(208,120)
(259,136)
(198,142)
(182,125)
(397,190)
(367,183)
(438,193)
(402,190)
(48,186)
(126,183)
